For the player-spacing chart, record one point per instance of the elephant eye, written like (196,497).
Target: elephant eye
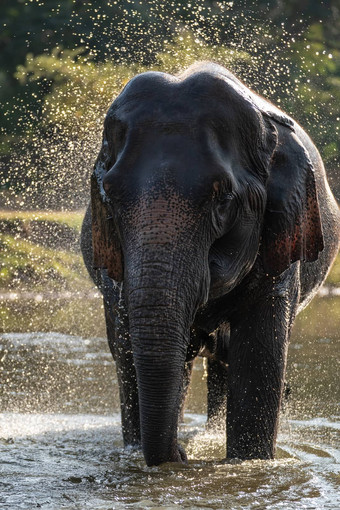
(226,197)
(221,194)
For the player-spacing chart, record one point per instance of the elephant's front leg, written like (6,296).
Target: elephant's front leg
(121,350)
(257,363)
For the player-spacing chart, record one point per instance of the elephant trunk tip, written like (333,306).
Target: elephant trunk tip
(177,455)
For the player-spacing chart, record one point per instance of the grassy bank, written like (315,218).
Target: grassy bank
(71,218)
(40,254)
(40,251)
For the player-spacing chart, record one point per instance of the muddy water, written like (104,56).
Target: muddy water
(61,447)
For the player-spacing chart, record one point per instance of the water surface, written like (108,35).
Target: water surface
(61,446)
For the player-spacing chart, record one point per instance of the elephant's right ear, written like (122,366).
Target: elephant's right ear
(107,251)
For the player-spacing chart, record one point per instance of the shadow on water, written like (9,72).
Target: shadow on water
(61,446)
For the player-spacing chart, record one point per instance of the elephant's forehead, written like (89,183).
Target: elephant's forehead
(159,95)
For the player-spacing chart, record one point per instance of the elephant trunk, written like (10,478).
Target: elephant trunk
(159,371)
(166,278)
(159,321)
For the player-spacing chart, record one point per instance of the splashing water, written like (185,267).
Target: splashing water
(60,439)
(60,117)
(61,445)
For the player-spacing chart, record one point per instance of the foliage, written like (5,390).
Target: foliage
(333,279)
(24,264)
(60,70)
(318,93)
(62,315)
(26,261)
(80,89)
(55,280)
(186,49)
(71,219)
(83,89)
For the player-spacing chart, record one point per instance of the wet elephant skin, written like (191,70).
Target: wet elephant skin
(211,226)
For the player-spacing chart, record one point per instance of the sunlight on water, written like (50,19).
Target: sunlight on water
(80,459)
(16,425)
(77,460)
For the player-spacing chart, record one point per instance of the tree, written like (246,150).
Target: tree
(61,68)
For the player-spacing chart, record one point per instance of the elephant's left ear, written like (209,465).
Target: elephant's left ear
(105,241)
(292,227)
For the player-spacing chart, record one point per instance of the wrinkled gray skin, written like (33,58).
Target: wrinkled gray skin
(212,226)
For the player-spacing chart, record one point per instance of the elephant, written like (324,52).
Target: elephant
(211,226)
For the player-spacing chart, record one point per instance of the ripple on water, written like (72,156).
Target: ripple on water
(57,461)
(76,459)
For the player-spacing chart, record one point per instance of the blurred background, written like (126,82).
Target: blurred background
(61,65)
(63,62)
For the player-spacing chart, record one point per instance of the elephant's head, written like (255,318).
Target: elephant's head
(179,196)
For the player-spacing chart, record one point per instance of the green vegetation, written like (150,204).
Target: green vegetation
(26,261)
(313,317)
(25,264)
(62,64)
(51,283)
(62,67)
(333,279)
(76,316)
(71,218)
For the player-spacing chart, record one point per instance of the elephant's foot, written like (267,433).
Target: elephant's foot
(178,456)
(183,459)
(131,438)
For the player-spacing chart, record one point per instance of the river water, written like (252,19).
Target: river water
(61,446)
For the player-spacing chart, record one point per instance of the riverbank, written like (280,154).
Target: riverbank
(44,283)
(39,252)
